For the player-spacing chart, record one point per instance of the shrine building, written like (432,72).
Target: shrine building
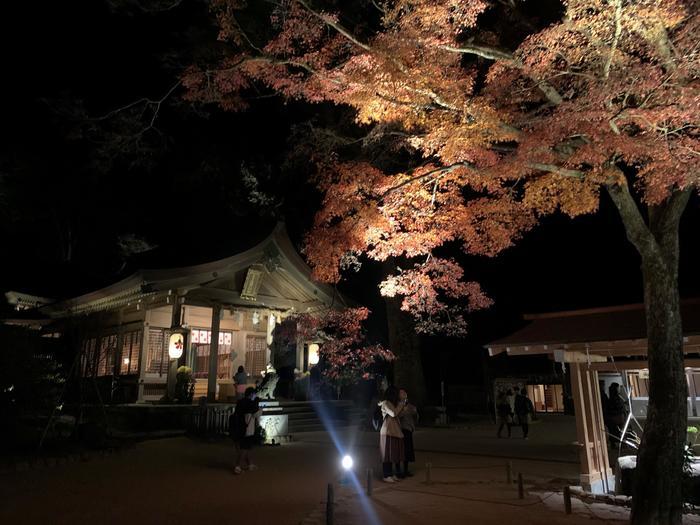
(227,308)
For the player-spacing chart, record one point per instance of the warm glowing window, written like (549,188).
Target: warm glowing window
(107,355)
(131,351)
(546,398)
(157,356)
(201,348)
(88,357)
(255,354)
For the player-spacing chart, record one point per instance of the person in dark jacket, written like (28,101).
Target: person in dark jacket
(524,410)
(241,380)
(616,411)
(408,419)
(242,429)
(505,416)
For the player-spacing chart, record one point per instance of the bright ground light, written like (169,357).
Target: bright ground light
(347,462)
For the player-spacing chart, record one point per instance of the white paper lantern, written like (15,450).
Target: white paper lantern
(313,354)
(176,346)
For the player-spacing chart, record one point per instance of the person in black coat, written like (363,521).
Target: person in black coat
(524,410)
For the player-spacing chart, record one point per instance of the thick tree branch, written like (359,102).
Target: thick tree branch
(558,170)
(428,174)
(490,53)
(663,223)
(616,38)
(507,58)
(668,215)
(638,232)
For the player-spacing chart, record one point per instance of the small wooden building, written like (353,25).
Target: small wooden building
(600,346)
(226,308)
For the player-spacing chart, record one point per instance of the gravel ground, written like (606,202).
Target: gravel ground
(179,480)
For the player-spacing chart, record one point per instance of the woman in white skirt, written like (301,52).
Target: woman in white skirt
(391,443)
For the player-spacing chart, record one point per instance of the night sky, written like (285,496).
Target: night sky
(71,185)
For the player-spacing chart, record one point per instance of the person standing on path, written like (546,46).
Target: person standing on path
(510,399)
(391,445)
(616,411)
(242,429)
(241,380)
(408,419)
(524,410)
(504,413)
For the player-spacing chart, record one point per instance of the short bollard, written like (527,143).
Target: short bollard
(369,482)
(509,472)
(567,500)
(329,505)
(428,476)
(521,489)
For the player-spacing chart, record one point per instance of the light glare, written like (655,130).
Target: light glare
(347,462)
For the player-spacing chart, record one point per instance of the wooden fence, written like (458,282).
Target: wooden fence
(210,420)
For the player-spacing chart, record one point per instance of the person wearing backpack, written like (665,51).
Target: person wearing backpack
(242,424)
(391,445)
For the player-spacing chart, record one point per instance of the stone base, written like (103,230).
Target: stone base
(599,484)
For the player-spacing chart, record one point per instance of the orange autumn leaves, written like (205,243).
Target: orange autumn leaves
(490,135)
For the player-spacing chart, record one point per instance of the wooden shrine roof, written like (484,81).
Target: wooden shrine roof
(625,323)
(286,283)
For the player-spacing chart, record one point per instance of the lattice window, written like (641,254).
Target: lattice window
(201,347)
(88,357)
(154,389)
(131,352)
(107,355)
(157,356)
(255,354)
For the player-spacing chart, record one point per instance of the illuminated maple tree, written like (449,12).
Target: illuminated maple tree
(498,114)
(344,354)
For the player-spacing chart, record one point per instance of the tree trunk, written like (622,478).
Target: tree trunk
(404,343)
(657,494)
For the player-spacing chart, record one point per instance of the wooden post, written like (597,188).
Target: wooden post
(567,500)
(521,489)
(369,482)
(214,352)
(428,468)
(143,354)
(509,472)
(329,505)
(590,429)
(116,371)
(175,322)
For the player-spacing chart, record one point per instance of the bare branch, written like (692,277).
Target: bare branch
(380,8)
(148,102)
(616,38)
(329,21)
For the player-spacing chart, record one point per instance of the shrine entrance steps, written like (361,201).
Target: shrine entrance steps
(313,416)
